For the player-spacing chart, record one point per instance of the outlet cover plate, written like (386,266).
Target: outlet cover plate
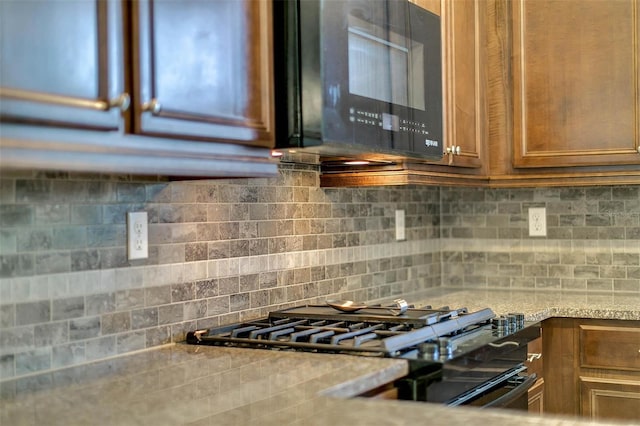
(400,226)
(137,235)
(537,222)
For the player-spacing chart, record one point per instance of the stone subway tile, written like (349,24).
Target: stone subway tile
(33,312)
(132,341)
(144,318)
(117,322)
(84,328)
(62,309)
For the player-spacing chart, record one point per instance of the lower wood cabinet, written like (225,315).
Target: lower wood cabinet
(609,370)
(608,398)
(592,368)
(536,397)
(535,365)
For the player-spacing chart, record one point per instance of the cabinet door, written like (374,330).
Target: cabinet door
(61,62)
(536,398)
(204,70)
(463,59)
(610,398)
(576,83)
(465,120)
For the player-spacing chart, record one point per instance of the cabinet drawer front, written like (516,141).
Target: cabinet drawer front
(610,347)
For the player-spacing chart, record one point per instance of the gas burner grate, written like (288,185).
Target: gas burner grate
(376,335)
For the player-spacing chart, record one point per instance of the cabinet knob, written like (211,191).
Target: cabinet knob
(153,106)
(457,150)
(123,102)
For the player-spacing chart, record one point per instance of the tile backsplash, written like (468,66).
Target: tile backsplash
(592,242)
(221,251)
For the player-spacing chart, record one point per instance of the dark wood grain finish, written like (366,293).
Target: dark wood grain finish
(502,103)
(559,352)
(609,347)
(61,63)
(465,82)
(591,368)
(209,67)
(576,83)
(536,397)
(74,68)
(607,398)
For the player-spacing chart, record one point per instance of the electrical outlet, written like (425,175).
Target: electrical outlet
(537,222)
(137,235)
(400,234)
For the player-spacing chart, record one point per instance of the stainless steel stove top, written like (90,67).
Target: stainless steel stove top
(372,331)
(451,352)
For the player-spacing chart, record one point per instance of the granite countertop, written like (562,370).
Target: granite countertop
(535,304)
(196,385)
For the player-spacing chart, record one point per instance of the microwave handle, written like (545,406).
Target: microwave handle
(515,393)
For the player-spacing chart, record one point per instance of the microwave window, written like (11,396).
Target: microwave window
(389,70)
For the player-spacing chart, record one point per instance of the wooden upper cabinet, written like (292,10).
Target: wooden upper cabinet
(463,59)
(464,82)
(61,63)
(576,83)
(203,70)
(166,87)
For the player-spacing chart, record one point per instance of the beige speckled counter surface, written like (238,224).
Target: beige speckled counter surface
(535,304)
(189,385)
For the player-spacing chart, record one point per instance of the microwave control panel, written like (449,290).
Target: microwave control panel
(414,136)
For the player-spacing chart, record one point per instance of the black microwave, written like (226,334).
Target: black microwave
(358,77)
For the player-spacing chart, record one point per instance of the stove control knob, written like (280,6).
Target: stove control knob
(500,322)
(512,323)
(519,317)
(446,347)
(429,351)
(500,325)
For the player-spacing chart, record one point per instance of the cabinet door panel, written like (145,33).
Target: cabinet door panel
(61,62)
(536,397)
(610,399)
(576,83)
(207,66)
(465,121)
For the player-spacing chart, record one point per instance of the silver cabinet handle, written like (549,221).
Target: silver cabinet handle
(500,345)
(533,357)
(152,106)
(123,102)
(454,150)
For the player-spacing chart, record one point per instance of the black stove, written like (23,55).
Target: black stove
(451,352)
(372,331)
